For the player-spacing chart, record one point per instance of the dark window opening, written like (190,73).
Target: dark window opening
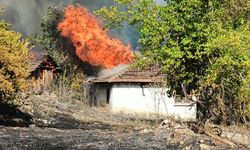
(108,95)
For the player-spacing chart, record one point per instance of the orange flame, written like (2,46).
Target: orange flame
(91,41)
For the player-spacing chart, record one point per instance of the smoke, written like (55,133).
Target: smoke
(24,15)
(104,73)
(160,2)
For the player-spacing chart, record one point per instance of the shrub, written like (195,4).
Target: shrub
(13,64)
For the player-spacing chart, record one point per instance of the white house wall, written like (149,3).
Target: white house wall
(185,111)
(133,99)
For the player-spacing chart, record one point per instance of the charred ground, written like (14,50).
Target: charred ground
(67,124)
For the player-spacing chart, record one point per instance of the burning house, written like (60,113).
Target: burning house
(135,91)
(130,91)
(43,69)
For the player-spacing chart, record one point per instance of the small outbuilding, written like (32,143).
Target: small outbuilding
(43,70)
(142,92)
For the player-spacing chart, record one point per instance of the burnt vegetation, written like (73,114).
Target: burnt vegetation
(199,48)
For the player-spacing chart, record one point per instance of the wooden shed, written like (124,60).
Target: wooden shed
(43,69)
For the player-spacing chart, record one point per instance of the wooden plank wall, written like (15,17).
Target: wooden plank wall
(43,82)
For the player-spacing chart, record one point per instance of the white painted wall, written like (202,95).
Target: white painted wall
(133,99)
(187,112)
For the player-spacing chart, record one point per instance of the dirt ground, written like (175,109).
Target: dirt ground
(68,125)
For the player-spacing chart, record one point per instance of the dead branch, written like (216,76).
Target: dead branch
(215,132)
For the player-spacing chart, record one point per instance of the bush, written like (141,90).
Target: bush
(228,76)
(13,65)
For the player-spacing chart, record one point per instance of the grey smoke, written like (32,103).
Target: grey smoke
(160,2)
(105,73)
(24,15)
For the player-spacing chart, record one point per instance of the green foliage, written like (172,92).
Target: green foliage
(236,12)
(50,39)
(228,75)
(13,65)
(202,45)
(173,35)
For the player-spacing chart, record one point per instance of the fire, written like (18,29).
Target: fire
(92,43)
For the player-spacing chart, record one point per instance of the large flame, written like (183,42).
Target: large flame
(91,41)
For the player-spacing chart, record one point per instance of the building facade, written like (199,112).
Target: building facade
(140,92)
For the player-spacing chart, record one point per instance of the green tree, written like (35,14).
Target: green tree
(62,51)
(50,38)
(198,43)
(13,65)
(228,75)
(173,35)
